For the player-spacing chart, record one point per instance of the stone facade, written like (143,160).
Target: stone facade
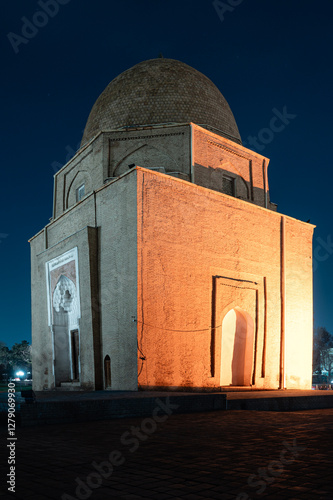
(165,265)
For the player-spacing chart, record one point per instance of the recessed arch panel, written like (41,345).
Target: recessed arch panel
(146,156)
(82,177)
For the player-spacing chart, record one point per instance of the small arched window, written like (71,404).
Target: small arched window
(107,371)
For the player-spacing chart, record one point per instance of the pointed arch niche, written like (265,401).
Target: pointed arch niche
(146,156)
(237,348)
(107,372)
(82,179)
(239,330)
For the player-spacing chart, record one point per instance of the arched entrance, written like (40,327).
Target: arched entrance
(237,348)
(65,332)
(107,371)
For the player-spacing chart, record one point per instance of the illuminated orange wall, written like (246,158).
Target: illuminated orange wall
(299,311)
(186,235)
(214,155)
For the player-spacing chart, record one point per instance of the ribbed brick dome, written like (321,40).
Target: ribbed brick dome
(161,91)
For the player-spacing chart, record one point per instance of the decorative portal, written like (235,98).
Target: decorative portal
(65,330)
(237,348)
(64,315)
(107,371)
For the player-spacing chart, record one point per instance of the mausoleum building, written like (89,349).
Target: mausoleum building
(165,264)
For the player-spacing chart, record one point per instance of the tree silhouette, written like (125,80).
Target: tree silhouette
(18,357)
(323,352)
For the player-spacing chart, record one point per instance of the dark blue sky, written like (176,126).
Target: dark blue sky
(262,55)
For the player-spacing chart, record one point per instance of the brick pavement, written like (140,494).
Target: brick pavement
(204,455)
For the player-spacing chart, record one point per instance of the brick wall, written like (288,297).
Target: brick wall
(187,235)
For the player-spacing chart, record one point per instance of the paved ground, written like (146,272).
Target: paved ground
(217,455)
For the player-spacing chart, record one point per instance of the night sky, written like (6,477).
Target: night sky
(266,57)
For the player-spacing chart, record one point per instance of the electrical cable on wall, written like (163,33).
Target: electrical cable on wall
(180,331)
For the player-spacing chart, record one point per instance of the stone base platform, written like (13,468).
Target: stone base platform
(66,407)
(54,407)
(280,400)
